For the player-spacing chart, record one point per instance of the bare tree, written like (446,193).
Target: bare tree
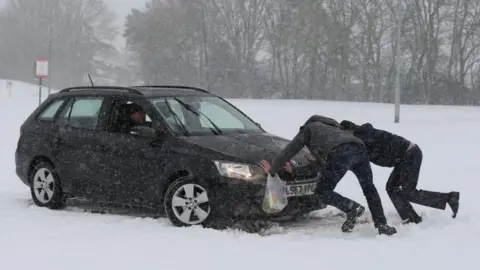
(242,25)
(464,39)
(423,40)
(285,39)
(343,16)
(82,31)
(370,45)
(328,49)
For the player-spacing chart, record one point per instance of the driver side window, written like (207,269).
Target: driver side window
(126,114)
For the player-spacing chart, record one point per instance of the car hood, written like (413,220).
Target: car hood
(250,148)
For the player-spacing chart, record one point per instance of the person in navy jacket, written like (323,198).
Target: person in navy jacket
(405,157)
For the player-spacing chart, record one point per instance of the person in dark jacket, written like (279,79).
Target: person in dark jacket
(389,150)
(130,115)
(136,115)
(344,204)
(342,152)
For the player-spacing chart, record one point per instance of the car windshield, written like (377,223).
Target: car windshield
(203,115)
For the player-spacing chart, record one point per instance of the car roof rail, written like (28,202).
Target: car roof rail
(173,87)
(115,88)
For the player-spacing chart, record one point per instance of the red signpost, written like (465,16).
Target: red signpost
(41,72)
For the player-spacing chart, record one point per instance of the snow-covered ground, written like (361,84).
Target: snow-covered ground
(35,238)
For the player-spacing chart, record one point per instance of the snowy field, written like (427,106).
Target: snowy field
(35,238)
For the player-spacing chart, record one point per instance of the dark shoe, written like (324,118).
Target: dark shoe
(415,219)
(453,202)
(387,230)
(352,217)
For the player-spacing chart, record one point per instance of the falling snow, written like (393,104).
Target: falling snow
(36,238)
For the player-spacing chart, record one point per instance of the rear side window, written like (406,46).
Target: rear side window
(49,112)
(82,113)
(88,107)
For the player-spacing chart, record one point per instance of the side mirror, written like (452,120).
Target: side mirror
(258,124)
(143,131)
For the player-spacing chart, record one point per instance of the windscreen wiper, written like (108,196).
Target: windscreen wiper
(215,128)
(177,119)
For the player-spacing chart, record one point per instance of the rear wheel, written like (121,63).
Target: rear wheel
(45,187)
(187,203)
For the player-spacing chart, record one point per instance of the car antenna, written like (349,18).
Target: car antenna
(90,78)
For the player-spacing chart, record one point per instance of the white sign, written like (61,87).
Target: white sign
(41,68)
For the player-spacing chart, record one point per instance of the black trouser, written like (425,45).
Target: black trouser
(350,157)
(402,187)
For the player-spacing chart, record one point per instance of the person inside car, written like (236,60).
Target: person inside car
(130,115)
(137,115)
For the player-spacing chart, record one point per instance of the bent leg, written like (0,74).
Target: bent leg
(394,190)
(336,167)
(338,163)
(437,200)
(363,172)
(335,170)
(336,200)
(432,199)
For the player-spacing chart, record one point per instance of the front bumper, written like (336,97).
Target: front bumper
(240,199)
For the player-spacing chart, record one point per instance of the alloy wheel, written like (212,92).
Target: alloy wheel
(43,185)
(190,204)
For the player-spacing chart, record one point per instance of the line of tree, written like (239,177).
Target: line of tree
(79,34)
(316,49)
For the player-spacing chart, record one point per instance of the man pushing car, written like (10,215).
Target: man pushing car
(389,150)
(343,152)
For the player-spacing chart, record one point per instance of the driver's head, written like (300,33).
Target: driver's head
(137,114)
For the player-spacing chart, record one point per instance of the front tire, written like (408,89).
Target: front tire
(187,203)
(45,187)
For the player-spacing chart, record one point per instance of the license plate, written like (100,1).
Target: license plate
(297,190)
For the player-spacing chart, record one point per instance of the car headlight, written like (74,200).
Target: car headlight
(241,171)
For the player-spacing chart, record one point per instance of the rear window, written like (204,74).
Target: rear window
(48,114)
(82,113)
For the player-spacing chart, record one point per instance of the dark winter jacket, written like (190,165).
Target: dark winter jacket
(385,149)
(325,120)
(320,135)
(299,172)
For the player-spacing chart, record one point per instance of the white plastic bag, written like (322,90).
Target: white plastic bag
(275,199)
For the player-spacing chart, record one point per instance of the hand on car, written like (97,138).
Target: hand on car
(288,167)
(266,166)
